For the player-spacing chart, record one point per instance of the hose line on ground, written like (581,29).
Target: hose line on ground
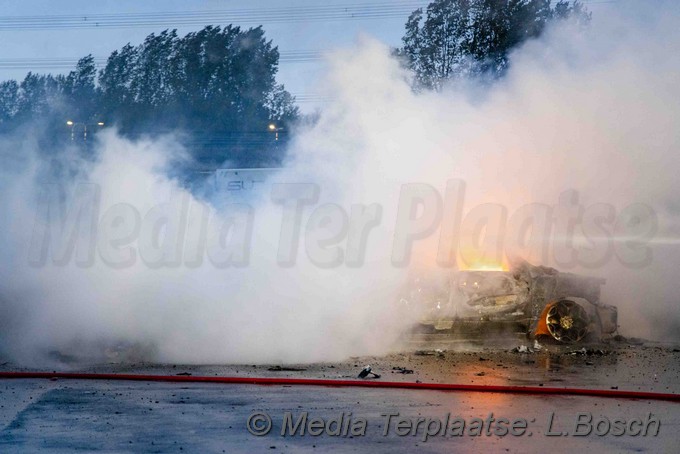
(537,390)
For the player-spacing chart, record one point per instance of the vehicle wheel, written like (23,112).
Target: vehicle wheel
(567,322)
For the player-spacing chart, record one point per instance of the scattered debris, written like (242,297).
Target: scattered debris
(437,352)
(286,369)
(589,352)
(524,349)
(480,374)
(401,370)
(366,371)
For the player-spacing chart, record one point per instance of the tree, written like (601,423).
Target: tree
(9,97)
(152,73)
(216,87)
(281,105)
(439,47)
(38,94)
(78,91)
(116,96)
(458,38)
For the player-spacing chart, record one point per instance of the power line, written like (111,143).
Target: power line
(358,11)
(128,20)
(294,56)
(322,12)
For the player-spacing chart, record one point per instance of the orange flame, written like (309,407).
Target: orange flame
(483,265)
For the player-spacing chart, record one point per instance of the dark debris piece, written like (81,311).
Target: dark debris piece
(366,371)
(590,352)
(286,369)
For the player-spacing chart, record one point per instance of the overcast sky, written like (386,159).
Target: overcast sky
(23,44)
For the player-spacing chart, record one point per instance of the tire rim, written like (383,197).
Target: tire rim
(567,322)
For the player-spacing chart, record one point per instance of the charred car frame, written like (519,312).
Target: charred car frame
(542,301)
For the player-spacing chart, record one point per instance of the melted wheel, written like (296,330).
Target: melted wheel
(567,321)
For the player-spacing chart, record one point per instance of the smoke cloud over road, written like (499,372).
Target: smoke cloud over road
(308,271)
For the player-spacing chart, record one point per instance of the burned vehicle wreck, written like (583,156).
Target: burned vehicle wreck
(538,300)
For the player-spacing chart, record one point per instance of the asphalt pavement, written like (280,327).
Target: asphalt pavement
(41,415)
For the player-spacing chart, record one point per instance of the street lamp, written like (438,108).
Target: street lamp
(275,130)
(72,124)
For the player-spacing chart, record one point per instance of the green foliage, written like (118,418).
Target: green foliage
(457,38)
(217,86)
(9,102)
(79,86)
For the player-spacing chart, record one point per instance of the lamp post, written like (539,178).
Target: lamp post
(72,124)
(275,130)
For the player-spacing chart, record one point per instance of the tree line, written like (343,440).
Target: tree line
(217,86)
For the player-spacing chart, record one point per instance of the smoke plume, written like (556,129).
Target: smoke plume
(591,111)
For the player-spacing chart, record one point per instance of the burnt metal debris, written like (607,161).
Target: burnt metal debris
(401,370)
(541,301)
(366,371)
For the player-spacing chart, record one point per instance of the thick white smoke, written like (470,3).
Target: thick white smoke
(592,111)
(191,310)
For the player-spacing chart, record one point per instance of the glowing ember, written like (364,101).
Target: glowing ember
(483,266)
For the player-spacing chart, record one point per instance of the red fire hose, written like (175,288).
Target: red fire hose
(341,383)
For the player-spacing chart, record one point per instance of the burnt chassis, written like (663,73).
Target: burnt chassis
(541,301)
